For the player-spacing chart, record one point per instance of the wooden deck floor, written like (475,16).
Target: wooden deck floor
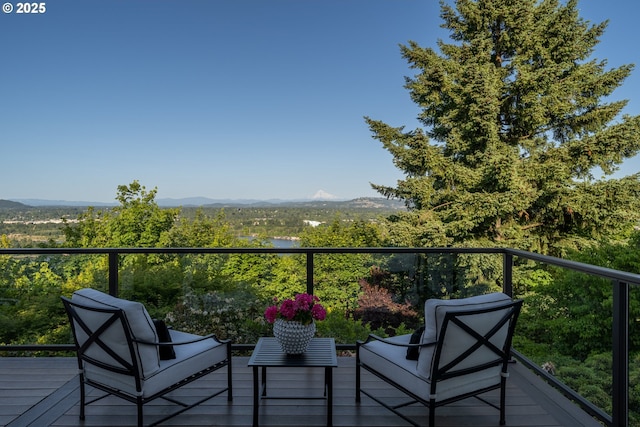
(44,392)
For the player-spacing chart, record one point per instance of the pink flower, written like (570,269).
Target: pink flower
(271,313)
(303,301)
(318,312)
(288,309)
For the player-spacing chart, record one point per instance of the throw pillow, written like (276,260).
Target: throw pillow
(416,338)
(166,351)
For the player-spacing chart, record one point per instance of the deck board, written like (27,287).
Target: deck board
(44,392)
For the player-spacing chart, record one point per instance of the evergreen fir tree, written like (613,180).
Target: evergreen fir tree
(514,126)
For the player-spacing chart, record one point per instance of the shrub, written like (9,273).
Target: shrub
(236,315)
(338,325)
(377,309)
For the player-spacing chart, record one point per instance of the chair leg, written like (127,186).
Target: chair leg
(503,384)
(357,373)
(82,397)
(229,375)
(432,413)
(357,383)
(139,405)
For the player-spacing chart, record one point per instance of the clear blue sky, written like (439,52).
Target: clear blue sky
(236,99)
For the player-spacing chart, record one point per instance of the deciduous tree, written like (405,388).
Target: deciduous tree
(137,222)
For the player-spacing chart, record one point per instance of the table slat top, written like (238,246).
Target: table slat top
(320,353)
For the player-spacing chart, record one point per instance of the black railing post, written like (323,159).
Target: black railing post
(620,403)
(310,272)
(113,273)
(507,274)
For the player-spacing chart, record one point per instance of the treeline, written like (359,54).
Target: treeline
(28,226)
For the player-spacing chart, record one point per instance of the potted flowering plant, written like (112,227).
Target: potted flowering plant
(293,321)
(303,308)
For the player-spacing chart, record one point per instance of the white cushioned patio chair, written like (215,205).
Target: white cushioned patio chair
(118,352)
(464,351)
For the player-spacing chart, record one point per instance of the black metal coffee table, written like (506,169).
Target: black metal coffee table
(321,353)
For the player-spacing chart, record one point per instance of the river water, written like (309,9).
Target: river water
(279,243)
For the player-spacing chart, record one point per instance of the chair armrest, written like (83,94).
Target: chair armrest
(374,337)
(202,338)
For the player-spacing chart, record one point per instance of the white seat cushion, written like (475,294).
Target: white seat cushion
(391,361)
(190,359)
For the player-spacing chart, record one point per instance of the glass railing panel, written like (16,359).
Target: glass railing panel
(565,328)
(364,293)
(384,293)
(221,293)
(31,312)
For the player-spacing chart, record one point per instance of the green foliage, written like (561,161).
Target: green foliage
(29,301)
(592,378)
(201,231)
(237,315)
(514,125)
(634,389)
(573,315)
(288,278)
(340,326)
(530,278)
(157,286)
(338,234)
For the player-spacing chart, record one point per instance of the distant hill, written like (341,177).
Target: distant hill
(10,204)
(60,203)
(362,202)
(204,201)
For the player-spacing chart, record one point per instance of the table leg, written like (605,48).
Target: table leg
(328,378)
(256,398)
(264,380)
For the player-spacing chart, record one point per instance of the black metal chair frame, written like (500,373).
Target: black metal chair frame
(503,358)
(125,367)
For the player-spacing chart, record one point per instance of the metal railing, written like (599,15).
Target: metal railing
(621,284)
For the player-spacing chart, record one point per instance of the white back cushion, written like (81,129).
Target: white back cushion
(140,325)
(435,311)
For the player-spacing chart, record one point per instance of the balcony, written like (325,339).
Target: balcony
(44,391)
